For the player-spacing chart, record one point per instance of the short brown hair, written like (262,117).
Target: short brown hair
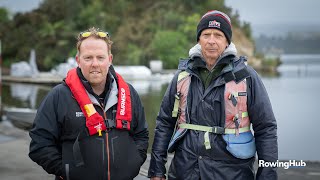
(94,32)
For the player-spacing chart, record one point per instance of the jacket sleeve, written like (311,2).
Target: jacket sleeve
(140,131)
(165,124)
(264,125)
(45,134)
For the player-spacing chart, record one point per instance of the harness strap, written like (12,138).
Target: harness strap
(175,110)
(207,140)
(244,114)
(233,131)
(176,105)
(213,129)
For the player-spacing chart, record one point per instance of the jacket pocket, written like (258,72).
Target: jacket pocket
(241,146)
(125,156)
(93,162)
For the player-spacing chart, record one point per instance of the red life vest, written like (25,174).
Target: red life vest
(94,121)
(235,98)
(237,120)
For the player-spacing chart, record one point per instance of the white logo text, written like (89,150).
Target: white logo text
(285,165)
(123,102)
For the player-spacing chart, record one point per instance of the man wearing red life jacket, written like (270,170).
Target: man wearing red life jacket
(207,111)
(91,126)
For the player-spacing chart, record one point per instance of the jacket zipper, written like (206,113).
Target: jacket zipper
(108,155)
(107,143)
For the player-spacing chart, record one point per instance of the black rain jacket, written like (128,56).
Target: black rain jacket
(59,127)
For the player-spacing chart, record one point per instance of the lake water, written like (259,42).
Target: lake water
(294,95)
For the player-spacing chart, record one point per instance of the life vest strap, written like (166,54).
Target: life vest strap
(124,109)
(233,131)
(175,111)
(213,129)
(94,121)
(244,114)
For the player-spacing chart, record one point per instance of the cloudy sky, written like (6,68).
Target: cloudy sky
(278,17)
(277,11)
(19,5)
(270,16)
(253,11)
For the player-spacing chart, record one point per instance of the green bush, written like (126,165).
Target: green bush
(169,46)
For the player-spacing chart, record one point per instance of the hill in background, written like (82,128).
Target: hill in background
(287,38)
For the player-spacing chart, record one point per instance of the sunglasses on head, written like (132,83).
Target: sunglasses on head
(100,34)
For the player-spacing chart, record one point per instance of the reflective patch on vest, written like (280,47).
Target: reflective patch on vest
(242,93)
(90,110)
(79,114)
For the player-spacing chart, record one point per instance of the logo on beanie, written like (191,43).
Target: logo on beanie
(214,24)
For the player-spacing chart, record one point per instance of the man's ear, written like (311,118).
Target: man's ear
(110,58)
(78,60)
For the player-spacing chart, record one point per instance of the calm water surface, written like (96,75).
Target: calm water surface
(294,95)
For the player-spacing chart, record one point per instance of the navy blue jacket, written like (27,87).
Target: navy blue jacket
(206,107)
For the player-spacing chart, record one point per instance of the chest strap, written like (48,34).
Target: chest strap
(213,129)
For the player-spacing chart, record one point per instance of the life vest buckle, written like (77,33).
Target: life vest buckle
(236,121)
(177,95)
(124,124)
(110,123)
(217,130)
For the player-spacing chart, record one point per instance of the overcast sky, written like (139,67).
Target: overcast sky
(253,11)
(277,11)
(20,5)
(272,17)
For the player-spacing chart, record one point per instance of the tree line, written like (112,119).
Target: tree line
(142,30)
(292,43)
